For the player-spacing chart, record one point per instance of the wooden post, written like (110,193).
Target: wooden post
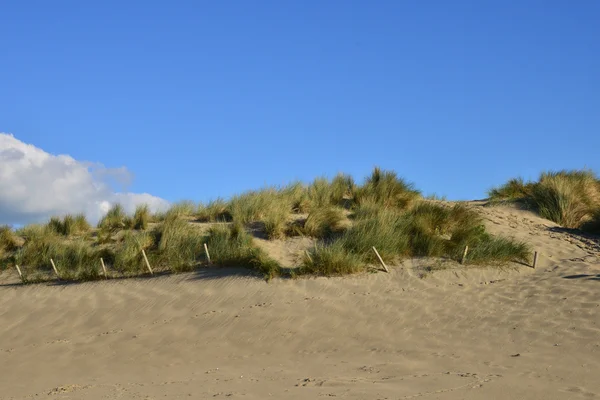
(103,268)
(55,270)
(535,259)
(381,260)
(464,257)
(20,274)
(147,262)
(207,254)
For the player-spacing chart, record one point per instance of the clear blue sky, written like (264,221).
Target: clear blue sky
(203,99)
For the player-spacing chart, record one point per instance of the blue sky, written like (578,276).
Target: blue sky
(204,99)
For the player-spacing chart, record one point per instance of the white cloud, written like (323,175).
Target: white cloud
(35,185)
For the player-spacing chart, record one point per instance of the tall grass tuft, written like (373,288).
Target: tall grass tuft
(69,225)
(114,220)
(382,229)
(331,259)
(297,195)
(76,260)
(426,230)
(214,211)
(269,206)
(514,189)
(233,246)
(386,189)
(180,247)
(569,198)
(141,217)
(128,258)
(184,208)
(8,241)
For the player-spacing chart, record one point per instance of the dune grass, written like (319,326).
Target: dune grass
(214,211)
(331,259)
(387,190)
(141,217)
(69,225)
(426,230)
(8,242)
(324,222)
(569,198)
(347,219)
(232,246)
(179,246)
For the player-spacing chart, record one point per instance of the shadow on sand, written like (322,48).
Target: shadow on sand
(587,277)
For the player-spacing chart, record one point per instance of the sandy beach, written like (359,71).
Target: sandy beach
(514,333)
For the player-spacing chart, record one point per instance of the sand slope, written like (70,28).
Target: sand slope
(515,334)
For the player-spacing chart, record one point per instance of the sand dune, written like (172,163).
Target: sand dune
(517,333)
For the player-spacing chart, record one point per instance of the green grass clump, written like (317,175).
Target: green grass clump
(184,208)
(331,259)
(179,247)
(514,189)
(128,258)
(76,260)
(8,241)
(297,195)
(382,229)
(115,220)
(387,190)
(426,230)
(69,225)
(214,211)
(233,246)
(141,217)
(324,222)
(269,206)
(569,198)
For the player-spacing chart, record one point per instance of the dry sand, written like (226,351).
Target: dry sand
(454,334)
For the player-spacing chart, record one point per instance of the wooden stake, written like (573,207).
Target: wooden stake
(55,270)
(19,271)
(535,258)
(207,254)
(147,262)
(464,257)
(103,268)
(381,260)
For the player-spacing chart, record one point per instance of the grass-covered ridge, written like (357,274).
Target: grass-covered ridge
(345,219)
(569,198)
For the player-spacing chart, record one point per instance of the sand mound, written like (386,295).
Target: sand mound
(452,334)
